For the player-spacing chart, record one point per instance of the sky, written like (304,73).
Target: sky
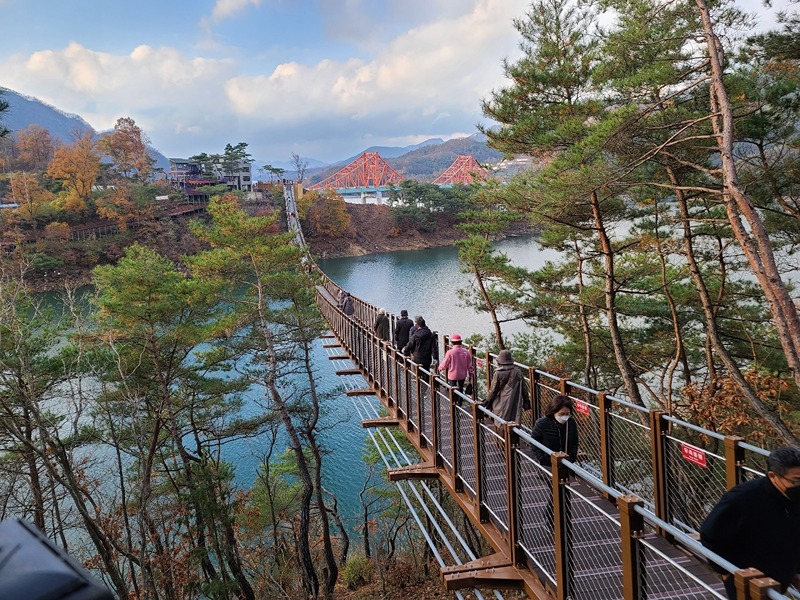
(325,79)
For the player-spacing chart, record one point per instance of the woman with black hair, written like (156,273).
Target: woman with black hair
(556,430)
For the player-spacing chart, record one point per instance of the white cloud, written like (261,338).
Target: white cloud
(224,9)
(437,68)
(102,87)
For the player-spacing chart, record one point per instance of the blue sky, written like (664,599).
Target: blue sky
(323,78)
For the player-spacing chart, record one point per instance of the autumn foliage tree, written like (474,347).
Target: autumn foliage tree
(324,213)
(127,148)
(77,166)
(33,199)
(35,148)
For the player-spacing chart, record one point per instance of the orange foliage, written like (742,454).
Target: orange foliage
(35,147)
(719,405)
(77,166)
(127,147)
(32,197)
(328,216)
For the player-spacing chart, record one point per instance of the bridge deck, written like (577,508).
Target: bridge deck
(560,531)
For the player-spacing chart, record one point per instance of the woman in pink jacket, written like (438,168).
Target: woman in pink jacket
(458,363)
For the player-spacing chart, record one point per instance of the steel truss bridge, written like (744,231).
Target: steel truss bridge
(620,523)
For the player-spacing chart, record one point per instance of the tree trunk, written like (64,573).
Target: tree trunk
(755,243)
(712,332)
(624,365)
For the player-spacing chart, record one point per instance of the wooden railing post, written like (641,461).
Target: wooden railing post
(604,418)
(535,411)
(734,459)
(759,588)
(564,387)
(741,581)
(631,528)
(488,370)
(536,399)
(657,455)
(561,524)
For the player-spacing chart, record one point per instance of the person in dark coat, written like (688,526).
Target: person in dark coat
(381,326)
(422,346)
(508,394)
(401,330)
(556,430)
(347,305)
(757,523)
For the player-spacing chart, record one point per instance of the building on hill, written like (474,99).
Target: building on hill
(185,173)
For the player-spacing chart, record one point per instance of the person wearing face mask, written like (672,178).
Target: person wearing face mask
(757,523)
(556,430)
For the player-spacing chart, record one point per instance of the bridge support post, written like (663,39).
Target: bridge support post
(658,432)
(604,417)
(631,528)
(734,458)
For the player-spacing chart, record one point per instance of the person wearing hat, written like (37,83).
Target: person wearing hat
(508,394)
(457,363)
(381,326)
(401,330)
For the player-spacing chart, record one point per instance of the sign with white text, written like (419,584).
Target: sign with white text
(693,455)
(581,407)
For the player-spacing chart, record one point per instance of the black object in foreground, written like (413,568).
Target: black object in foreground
(33,568)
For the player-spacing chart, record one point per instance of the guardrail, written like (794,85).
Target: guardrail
(662,474)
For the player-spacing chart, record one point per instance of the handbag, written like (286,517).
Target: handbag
(468,390)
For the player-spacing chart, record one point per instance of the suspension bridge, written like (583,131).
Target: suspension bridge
(621,522)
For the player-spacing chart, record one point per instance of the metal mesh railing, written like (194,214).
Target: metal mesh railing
(695,481)
(465,447)
(593,547)
(444,424)
(663,576)
(534,494)
(592,550)
(629,447)
(493,471)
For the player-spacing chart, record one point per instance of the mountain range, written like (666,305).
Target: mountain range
(421,161)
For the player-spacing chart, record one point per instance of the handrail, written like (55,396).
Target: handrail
(486,460)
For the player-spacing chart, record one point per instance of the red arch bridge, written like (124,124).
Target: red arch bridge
(620,523)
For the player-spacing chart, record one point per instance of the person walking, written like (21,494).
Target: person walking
(347,305)
(508,394)
(422,346)
(457,363)
(757,523)
(401,330)
(556,430)
(381,325)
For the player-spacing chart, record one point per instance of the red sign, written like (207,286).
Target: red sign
(693,455)
(479,363)
(581,407)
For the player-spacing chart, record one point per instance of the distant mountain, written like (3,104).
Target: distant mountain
(25,111)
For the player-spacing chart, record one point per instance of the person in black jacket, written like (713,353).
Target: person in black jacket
(757,523)
(401,330)
(422,346)
(556,430)
(381,326)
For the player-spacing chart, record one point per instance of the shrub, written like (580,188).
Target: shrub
(357,571)
(43,262)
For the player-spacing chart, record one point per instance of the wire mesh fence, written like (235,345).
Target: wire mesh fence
(465,447)
(493,471)
(663,575)
(586,413)
(593,546)
(534,492)
(425,424)
(629,449)
(444,424)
